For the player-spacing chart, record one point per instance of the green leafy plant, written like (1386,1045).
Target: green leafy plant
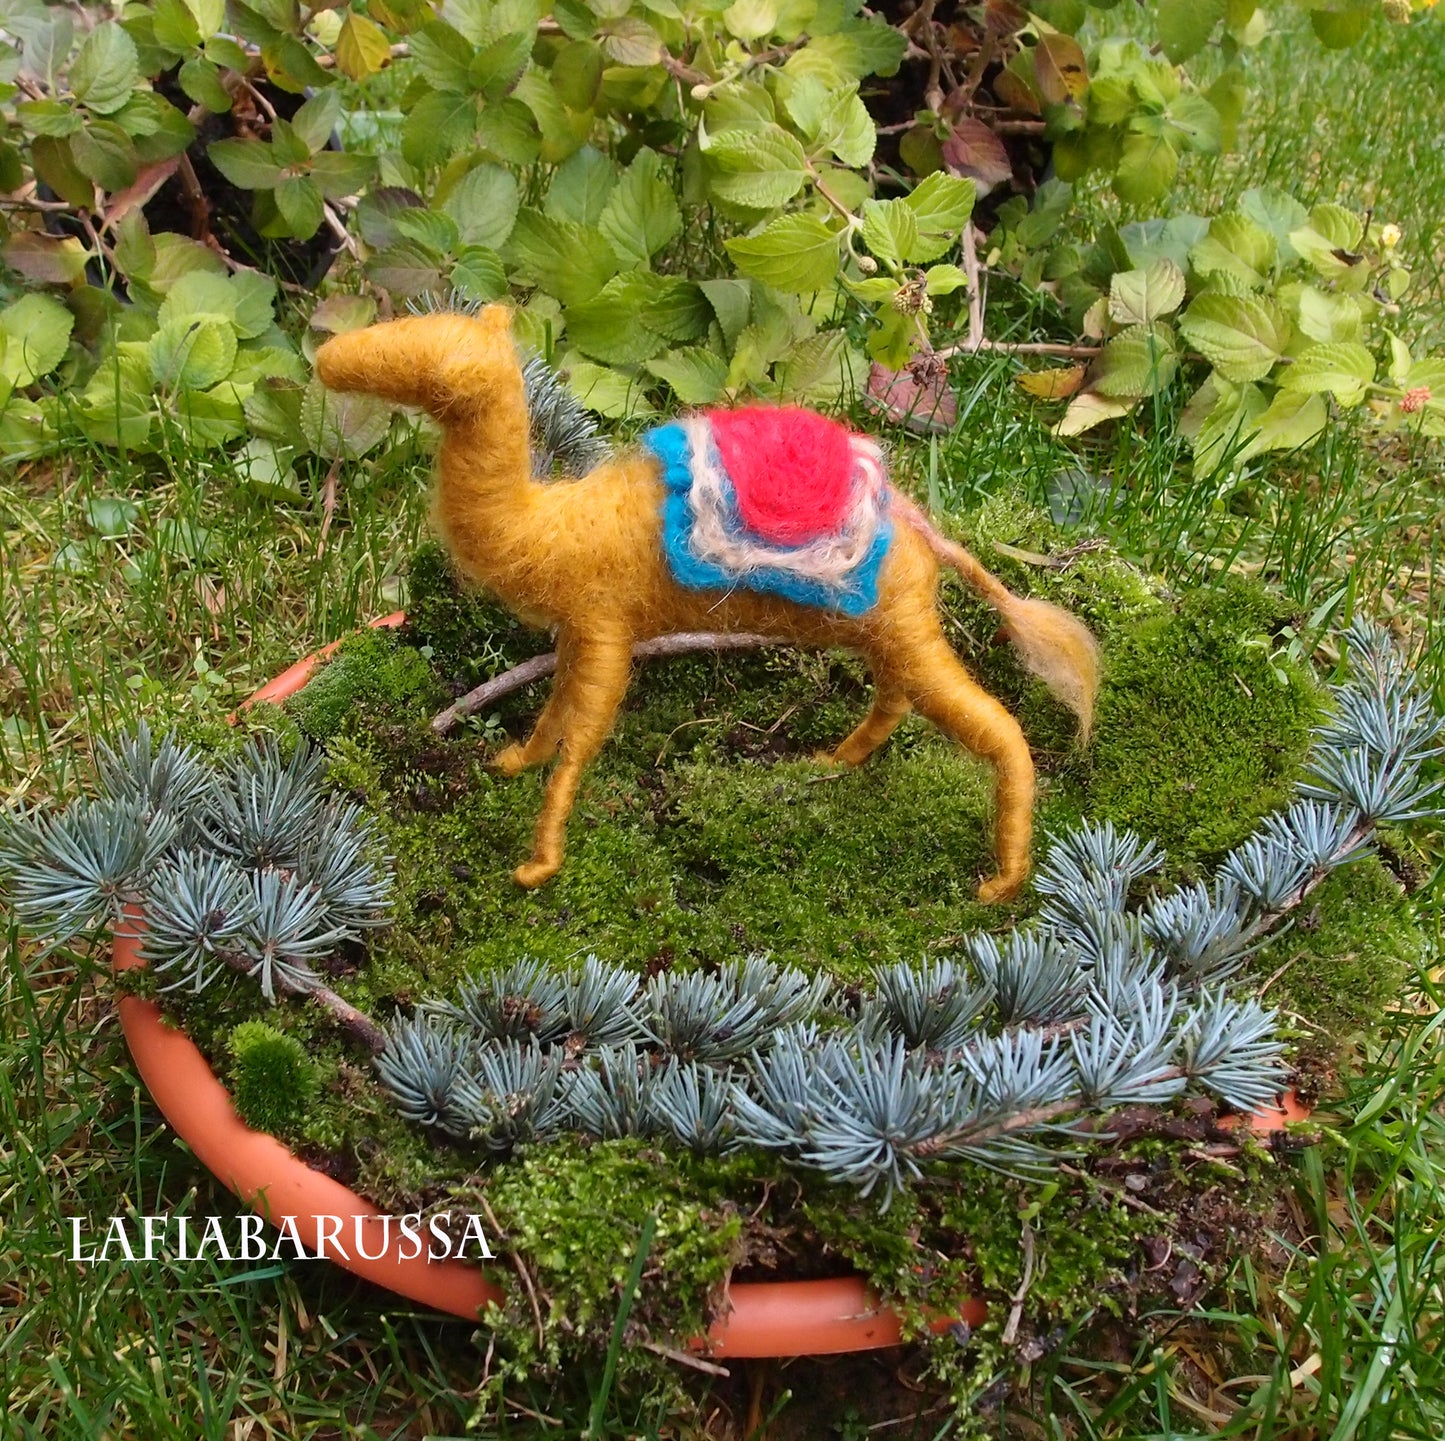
(1290,311)
(691,198)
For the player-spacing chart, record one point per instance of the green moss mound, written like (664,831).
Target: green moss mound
(271,1077)
(1350,951)
(372,678)
(1201,729)
(705,830)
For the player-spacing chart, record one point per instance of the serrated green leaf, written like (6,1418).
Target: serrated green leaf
(1237,247)
(1139,296)
(106,70)
(1137,362)
(433,231)
(298,198)
(266,362)
(105,154)
(609,327)
(1400,358)
(1343,369)
(796,253)
(576,74)
(199,293)
(820,370)
(1147,167)
(201,80)
(641,215)
(630,40)
(610,394)
(407,268)
(495,68)
(338,314)
(1277,212)
(342,426)
(696,376)
(444,56)
(572,262)
(751,19)
(944,279)
(251,164)
(438,127)
(516,133)
(760,169)
(581,187)
(484,204)
(1341,227)
(847,130)
(341,173)
(677,309)
(265,467)
(731,301)
(1228,427)
(1242,336)
(1293,419)
(890,230)
(479,273)
(192,353)
(1186,25)
(1194,124)
(49,117)
(875,288)
(941,204)
(36,331)
(1327,318)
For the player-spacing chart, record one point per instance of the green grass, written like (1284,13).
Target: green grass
(1333,1333)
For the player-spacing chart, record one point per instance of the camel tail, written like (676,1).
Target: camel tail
(1053,645)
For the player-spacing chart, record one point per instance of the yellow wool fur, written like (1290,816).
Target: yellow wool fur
(586,557)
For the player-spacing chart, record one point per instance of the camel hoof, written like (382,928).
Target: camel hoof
(510,761)
(532,874)
(999,888)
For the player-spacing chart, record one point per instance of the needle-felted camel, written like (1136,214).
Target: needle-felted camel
(767,520)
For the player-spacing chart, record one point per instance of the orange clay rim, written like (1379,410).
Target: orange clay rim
(762,1319)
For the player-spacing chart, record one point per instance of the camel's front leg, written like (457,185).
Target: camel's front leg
(541,745)
(583,711)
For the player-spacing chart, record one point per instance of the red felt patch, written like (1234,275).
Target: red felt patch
(791,470)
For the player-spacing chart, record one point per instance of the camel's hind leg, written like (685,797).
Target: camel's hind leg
(890,705)
(943,691)
(587,698)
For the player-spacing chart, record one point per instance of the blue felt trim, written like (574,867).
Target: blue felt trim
(670,444)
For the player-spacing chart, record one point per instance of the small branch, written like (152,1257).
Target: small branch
(670,1353)
(521,1269)
(541,666)
(975,295)
(1015,1315)
(1021,347)
(328,505)
(347,1016)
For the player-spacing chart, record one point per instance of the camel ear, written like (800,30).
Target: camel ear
(497,319)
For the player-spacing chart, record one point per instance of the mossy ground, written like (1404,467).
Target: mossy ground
(705,831)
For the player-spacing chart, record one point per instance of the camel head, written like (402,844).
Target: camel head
(454,366)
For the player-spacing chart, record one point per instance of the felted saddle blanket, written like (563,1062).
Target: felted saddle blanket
(774,499)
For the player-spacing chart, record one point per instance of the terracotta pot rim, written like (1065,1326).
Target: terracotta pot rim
(763,1318)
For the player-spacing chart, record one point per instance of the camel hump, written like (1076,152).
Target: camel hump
(814,527)
(791,471)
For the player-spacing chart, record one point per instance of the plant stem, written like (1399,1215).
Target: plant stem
(358,1023)
(540,667)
